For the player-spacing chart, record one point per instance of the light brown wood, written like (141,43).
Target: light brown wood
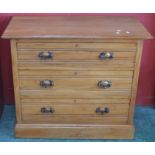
(76,27)
(50,73)
(75,131)
(135,82)
(75,83)
(35,101)
(75,40)
(77,113)
(73,94)
(79,119)
(76,109)
(69,55)
(78,46)
(75,68)
(16,80)
(104,65)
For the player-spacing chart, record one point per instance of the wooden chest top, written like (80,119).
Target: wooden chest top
(103,27)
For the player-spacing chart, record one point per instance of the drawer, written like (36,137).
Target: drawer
(81,113)
(42,101)
(76,94)
(101,84)
(68,55)
(73,73)
(67,45)
(87,66)
(76,109)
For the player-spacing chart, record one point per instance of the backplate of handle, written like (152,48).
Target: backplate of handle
(46,83)
(47,110)
(104,84)
(106,55)
(102,111)
(45,55)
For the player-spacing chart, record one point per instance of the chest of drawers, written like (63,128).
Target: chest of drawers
(75,76)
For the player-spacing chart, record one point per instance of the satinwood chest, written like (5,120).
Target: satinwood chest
(75,76)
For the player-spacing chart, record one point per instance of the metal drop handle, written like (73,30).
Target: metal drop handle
(102,111)
(46,83)
(45,55)
(46,110)
(104,84)
(106,55)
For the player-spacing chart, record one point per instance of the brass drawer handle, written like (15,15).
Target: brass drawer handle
(46,83)
(102,110)
(104,84)
(45,55)
(46,110)
(106,55)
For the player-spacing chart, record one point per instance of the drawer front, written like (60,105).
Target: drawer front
(68,55)
(98,66)
(76,94)
(101,84)
(62,45)
(74,73)
(42,101)
(75,114)
(76,109)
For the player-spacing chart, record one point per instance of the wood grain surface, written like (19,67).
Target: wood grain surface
(76,27)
